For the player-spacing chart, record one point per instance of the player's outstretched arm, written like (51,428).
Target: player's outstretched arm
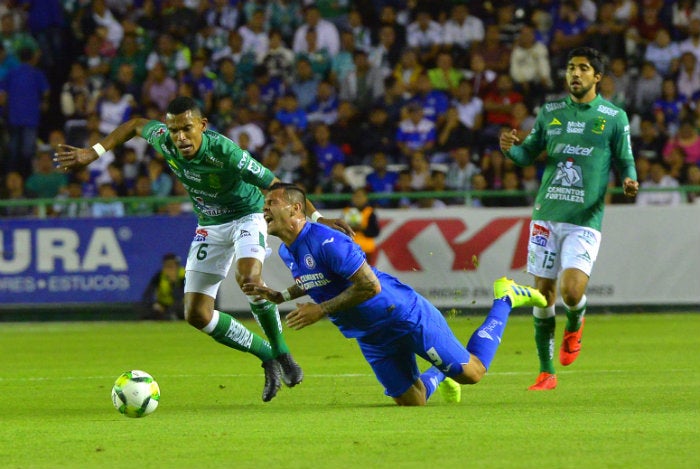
(69,157)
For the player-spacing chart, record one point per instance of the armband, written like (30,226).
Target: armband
(286,296)
(99,149)
(316,215)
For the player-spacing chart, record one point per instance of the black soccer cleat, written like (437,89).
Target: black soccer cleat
(272,379)
(292,374)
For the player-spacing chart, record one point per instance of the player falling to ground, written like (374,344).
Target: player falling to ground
(391,322)
(583,135)
(224,184)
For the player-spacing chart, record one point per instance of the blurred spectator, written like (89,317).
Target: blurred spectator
(507,195)
(343,62)
(530,182)
(494,52)
(13,189)
(606,89)
(163,297)
(569,31)
(279,59)
(470,108)
(223,14)
(227,83)
(658,179)
(347,133)
(131,165)
(646,90)
(606,33)
(24,93)
(159,88)
(408,70)
(293,153)
(452,134)
(434,102)
(291,114)
(361,34)
(419,168)
(96,57)
(498,107)
(479,183)
(245,61)
(324,107)
(335,183)
(363,85)
(425,36)
(318,57)
(461,169)
(493,166)
(103,17)
(642,30)
(388,16)
(649,143)
(326,152)
(688,79)
(246,125)
(326,32)
(668,108)
(76,96)
(675,162)
(529,66)
(172,54)
(692,42)
(522,120)
(378,135)
(444,76)
(107,208)
(385,55)
(71,203)
(461,31)
(693,179)
(273,161)
(663,53)
(202,82)
(403,185)
(224,116)
(622,75)
(118,181)
(482,79)
(361,217)
(284,16)
(113,107)
(682,13)
(14,39)
(255,38)
(7,61)
(415,132)
(161,182)
(686,138)
(180,19)
(393,100)
(381,180)
(45,182)
(305,84)
(142,188)
(509,23)
(127,79)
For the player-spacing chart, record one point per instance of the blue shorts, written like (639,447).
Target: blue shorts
(394,363)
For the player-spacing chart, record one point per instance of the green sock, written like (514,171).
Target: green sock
(574,317)
(233,334)
(544,339)
(268,316)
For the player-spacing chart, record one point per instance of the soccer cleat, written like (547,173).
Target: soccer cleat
(292,374)
(520,295)
(571,345)
(545,382)
(272,379)
(450,390)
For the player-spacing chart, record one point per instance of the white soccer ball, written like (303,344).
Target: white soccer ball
(353,216)
(135,394)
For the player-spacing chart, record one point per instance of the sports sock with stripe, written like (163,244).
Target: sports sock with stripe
(574,315)
(485,340)
(545,325)
(226,330)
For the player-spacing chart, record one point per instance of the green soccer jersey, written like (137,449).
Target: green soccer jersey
(222,180)
(581,141)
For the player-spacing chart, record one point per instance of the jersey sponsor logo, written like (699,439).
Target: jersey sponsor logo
(555,131)
(607,110)
(309,261)
(598,125)
(214,161)
(309,281)
(575,127)
(244,234)
(554,106)
(200,235)
(191,175)
(555,121)
(567,149)
(585,257)
(540,235)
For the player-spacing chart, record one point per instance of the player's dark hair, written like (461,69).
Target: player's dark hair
(293,193)
(595,58)
(183,104)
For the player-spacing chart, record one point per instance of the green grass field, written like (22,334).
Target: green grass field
(631,401)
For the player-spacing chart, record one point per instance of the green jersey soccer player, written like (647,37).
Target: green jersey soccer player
(224,183)
(583,136)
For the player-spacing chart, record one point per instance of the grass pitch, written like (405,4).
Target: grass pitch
(630,401)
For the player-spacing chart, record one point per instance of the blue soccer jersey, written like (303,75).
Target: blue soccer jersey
(322,260)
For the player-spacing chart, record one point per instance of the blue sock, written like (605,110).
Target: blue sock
(431,378)
(485,340)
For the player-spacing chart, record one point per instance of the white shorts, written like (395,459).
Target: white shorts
(555,246)
(215,248)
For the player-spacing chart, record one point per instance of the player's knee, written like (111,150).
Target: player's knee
(197,314)
(571,296)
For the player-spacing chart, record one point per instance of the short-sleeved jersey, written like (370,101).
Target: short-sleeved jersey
(582,142)
(322,260)
(222,179)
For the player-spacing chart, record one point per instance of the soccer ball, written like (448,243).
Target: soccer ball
(353,216)
(135,394)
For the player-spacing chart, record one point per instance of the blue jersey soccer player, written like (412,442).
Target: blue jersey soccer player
(391,322)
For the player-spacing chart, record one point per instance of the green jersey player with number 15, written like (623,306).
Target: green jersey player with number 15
(583,136)
(224,183)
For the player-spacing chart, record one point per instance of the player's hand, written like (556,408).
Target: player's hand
(305,315)
(262,292)
(508,139)
(630,187)
(70,158)
(338,224)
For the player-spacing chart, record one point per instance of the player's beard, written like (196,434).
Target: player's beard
(581,91)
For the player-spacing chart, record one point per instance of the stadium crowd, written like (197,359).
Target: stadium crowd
(336,95)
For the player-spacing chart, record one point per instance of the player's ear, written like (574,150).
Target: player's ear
(205,122)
